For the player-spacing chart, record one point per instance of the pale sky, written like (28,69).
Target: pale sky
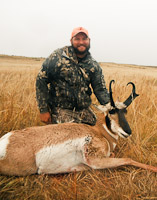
(121,31)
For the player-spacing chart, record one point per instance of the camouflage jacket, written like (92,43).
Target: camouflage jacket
(64,82)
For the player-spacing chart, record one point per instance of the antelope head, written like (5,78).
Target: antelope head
(115,112)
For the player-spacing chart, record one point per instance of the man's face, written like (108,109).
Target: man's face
(80,43)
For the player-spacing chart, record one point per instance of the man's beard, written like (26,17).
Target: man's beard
(81,52)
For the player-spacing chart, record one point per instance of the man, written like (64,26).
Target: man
(63,83)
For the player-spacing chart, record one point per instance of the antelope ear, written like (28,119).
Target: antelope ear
(120,105)
(104,108)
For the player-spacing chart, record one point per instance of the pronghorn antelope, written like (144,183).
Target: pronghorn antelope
(68,147)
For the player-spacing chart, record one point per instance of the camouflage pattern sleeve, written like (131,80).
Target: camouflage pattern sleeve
(42,81)
(99,86)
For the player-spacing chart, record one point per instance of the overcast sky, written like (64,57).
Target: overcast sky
(121,31)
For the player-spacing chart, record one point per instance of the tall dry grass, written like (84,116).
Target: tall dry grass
(18,109)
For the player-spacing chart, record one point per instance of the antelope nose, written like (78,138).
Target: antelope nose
(128,131)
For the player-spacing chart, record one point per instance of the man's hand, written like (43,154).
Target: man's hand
(46,118)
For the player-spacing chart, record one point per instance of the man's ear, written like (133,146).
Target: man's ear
(71,41)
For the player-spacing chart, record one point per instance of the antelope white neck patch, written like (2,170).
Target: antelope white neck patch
(116,129)
(109,132)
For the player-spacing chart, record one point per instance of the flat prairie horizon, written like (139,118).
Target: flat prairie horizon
(35,63)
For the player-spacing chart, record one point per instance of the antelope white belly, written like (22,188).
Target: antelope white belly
(61,157)
(4,141)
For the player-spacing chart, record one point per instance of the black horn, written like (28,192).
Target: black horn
(110,90)
(132,96)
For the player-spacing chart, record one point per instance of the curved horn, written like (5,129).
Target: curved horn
(132,96)
(110,90)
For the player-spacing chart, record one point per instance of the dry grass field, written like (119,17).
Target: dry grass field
(18,109)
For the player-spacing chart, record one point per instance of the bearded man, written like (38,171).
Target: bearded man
(63,84)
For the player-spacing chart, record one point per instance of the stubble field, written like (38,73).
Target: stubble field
(18,109)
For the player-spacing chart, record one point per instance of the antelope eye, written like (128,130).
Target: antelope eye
(112,111)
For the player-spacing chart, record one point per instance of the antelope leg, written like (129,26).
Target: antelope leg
(102,163)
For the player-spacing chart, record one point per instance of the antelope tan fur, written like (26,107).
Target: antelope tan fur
(68,147)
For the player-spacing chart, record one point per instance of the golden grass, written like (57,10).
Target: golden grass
(18,109)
